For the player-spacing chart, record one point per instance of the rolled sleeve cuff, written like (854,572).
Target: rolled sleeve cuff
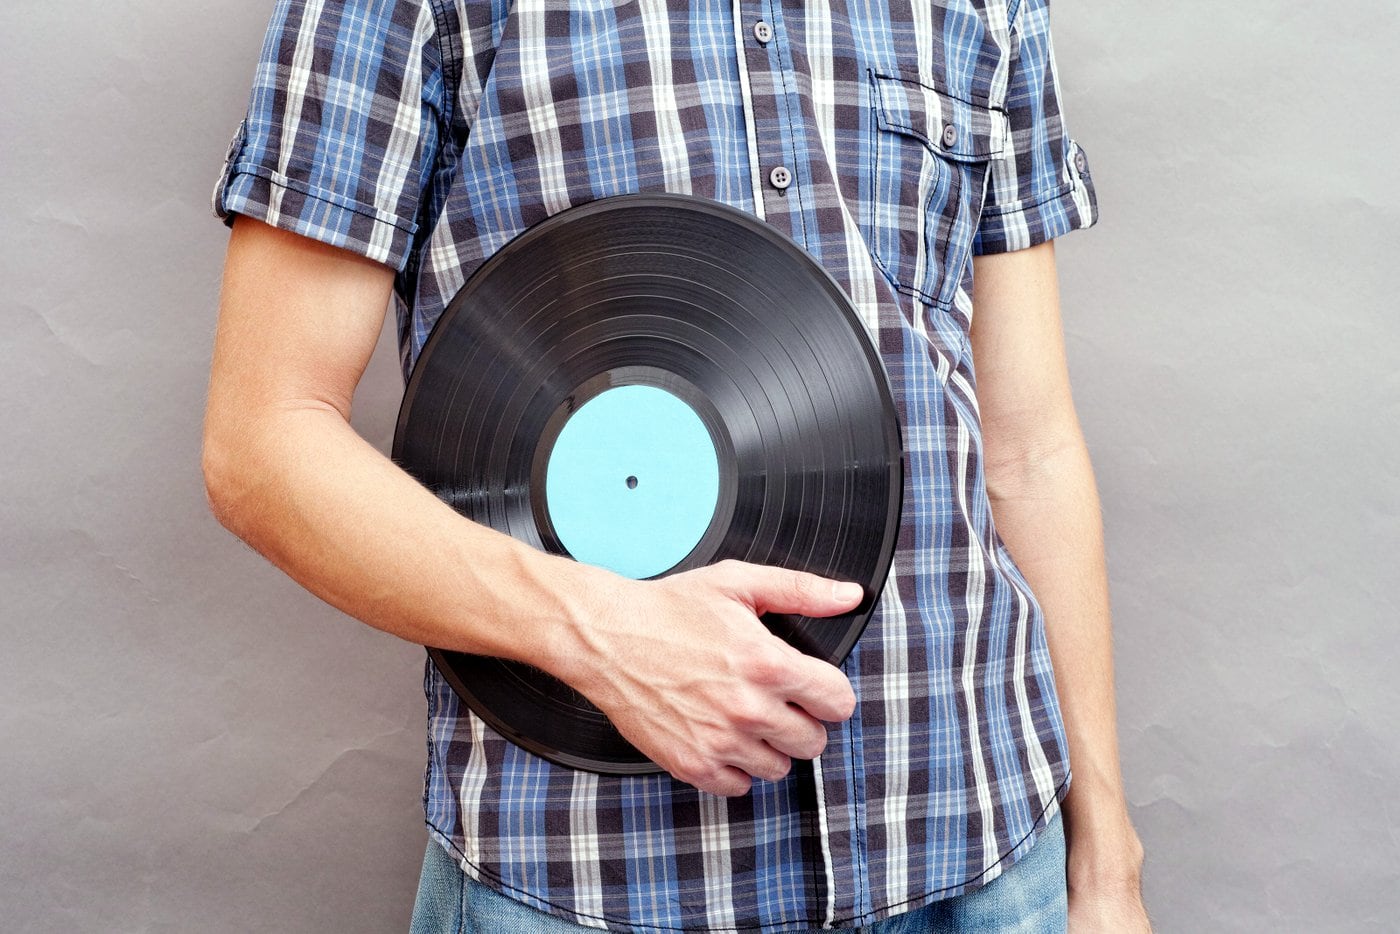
(1047,214)
(261,193)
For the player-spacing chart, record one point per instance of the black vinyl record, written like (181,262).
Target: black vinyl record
(745,388)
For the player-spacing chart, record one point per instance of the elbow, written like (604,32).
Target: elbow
(222,464)
(214,462)
(1009,479)
(1027,470)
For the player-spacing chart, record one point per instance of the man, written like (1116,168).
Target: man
(914,149)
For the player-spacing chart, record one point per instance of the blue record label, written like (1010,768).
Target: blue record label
(632,481)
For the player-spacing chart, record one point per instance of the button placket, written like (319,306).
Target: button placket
(774,109)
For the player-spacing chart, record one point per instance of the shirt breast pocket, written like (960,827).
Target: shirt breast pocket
(928,178)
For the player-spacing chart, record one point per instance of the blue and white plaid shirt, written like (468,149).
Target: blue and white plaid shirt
(426,133)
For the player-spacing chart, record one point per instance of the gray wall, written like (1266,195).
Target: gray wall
(189,742)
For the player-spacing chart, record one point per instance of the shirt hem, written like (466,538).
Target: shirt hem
(609,923)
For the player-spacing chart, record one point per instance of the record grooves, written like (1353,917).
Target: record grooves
(654,383)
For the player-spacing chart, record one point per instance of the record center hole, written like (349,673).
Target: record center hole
(631,483)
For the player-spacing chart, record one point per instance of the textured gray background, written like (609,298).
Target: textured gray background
(189,742)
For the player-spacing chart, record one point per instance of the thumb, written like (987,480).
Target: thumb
(779,590)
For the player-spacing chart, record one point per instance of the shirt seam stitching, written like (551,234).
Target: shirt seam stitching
(1011,15)
(1027,205)
(273,177)
(452,76)
(792,127)
(980,105)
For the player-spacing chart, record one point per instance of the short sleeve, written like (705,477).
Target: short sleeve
(1040,187)
(342,127)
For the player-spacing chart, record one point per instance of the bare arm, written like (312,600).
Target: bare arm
(1046,507)
(682,666)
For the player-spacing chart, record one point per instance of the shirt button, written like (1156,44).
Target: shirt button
(763,32)
(780,177)
(950,136)
(1080,162)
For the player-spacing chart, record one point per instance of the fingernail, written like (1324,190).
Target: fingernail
(846,591)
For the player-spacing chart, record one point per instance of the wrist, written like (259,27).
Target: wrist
(575,596)
(527,596)
(1106,852)
(1103,848)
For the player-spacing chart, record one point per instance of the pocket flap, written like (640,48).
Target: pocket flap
(949,126)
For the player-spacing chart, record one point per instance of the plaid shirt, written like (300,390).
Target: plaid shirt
(914,133)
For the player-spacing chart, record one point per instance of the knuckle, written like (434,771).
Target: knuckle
(689,768)
(767,666)
(815,745)
(723,782)
(803,586)
(708,779)
(735,787)
(847,703)
(747,713)
(837,697)
(725,748)
(779,769)
(842,708)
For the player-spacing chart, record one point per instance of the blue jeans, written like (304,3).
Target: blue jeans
(1028,898)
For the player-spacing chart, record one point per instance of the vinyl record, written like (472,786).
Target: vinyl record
(653,383)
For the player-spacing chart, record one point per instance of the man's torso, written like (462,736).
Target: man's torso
(893,126)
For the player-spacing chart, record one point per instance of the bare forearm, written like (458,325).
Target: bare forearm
(1047,511)
(682,666)
(1046,507)
(665,661)
(300,486)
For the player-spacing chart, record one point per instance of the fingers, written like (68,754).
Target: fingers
(764,739)
(762,745)
(763,701)
(745,762)
(822,690)
(779,590)
(817,687)
(797,735)
(761,760)
(727,782)
(710,776)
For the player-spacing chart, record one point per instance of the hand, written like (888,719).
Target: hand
(688,674)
